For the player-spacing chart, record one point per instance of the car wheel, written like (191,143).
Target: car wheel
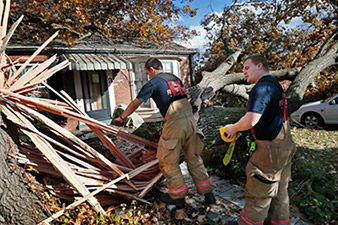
(312,120)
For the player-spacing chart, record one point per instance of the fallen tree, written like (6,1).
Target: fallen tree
(233,83)
(300,77)
(18,205)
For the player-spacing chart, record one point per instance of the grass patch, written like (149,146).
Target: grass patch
(314,172)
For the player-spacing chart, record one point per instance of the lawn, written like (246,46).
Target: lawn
(313,188)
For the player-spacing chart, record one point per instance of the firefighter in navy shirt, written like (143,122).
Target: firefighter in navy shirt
(179,131)
(269,168)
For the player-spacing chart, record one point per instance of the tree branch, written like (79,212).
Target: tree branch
(297,89)
(334,4)
(324,45)
(239,90)
(217,81)
(65,28)
(224,40)
(83,37)
(221,80)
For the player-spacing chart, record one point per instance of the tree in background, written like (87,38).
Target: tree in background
(122,19)
(305,54)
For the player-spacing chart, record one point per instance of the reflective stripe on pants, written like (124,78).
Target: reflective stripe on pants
(247,221)
(278,222)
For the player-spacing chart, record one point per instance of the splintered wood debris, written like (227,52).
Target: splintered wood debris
(72,169)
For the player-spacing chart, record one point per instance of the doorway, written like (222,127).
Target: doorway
(95,93)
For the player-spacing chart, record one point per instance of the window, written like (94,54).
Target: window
(141,77)
(95,93)
(168,66)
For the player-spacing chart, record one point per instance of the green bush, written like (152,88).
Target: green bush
(313,190)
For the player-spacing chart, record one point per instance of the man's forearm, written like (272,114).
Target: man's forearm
(131,108)
(247,122)
(242,124)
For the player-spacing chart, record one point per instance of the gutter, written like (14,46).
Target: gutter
(61,50)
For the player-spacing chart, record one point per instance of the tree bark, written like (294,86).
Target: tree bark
(214,117)
(307,74)
(17,204)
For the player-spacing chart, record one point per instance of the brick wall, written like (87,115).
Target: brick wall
(122,88)
(185,71)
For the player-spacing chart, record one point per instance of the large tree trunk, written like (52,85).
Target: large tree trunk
(214,117)
(17,204)
(306,75)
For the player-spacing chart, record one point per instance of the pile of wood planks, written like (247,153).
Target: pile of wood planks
(72,168)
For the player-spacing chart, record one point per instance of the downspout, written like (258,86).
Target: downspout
(131,78)
(131,84)
(192,72)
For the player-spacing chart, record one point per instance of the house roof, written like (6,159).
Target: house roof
(105,46)
(99,53)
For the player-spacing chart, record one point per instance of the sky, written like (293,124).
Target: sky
(204,7)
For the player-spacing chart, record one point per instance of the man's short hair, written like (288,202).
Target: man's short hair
(155,63)
(258,59)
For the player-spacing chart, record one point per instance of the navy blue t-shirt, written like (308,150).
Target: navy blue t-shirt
(159,90)
(266,98)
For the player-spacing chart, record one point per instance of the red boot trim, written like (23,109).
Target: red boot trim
(248,221)
(278,222)
(177,191)
(203,184)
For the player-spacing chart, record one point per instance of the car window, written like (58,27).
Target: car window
(326,100)
(334,101)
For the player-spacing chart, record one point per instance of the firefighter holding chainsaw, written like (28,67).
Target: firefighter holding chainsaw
(269,168)
(179,131)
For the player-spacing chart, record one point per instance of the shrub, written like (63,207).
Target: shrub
(313,190)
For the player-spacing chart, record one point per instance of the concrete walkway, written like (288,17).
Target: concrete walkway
(230,200)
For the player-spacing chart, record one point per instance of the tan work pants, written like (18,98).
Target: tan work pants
(268,174)
(179,131)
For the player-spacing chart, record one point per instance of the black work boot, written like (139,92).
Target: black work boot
(165,198)
(209,198)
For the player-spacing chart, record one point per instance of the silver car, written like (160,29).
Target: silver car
(316,114)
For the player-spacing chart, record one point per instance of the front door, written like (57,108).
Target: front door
(95,92)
